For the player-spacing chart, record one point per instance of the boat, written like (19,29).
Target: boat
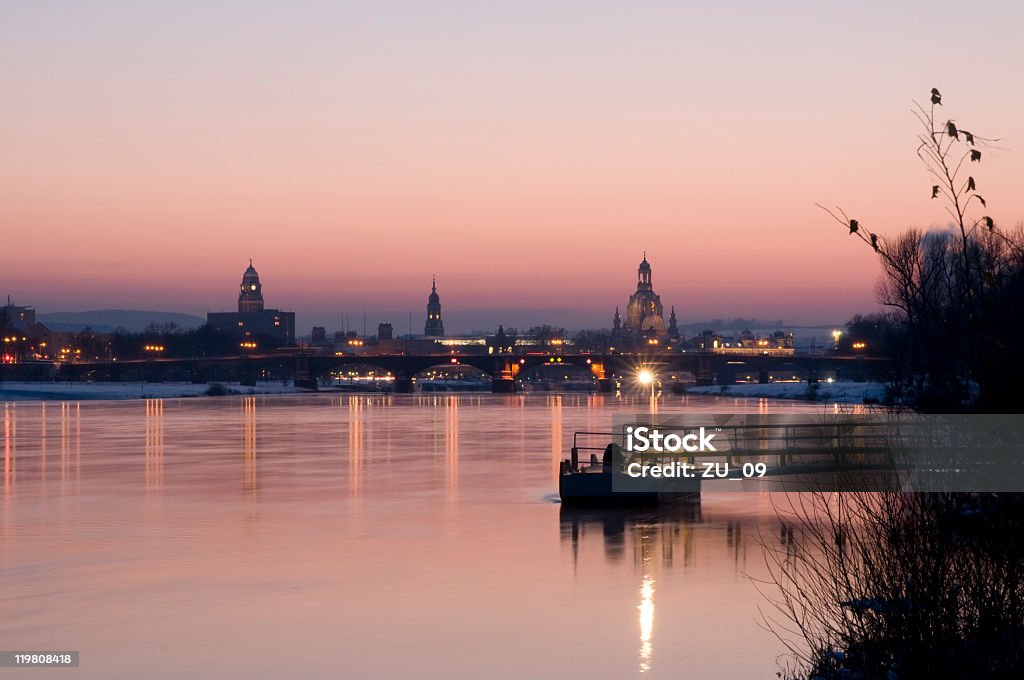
(604,483)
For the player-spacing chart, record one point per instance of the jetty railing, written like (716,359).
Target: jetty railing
(838,443)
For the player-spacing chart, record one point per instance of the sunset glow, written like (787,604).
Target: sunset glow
(524,153)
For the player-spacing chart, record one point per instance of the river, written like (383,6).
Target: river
(363,536)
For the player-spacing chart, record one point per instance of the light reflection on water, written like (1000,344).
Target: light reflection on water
(362,536)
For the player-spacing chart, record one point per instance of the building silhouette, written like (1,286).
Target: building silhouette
(253,322)
(251,297)
(434,327)
(644,313)
(673,327)
(16,317)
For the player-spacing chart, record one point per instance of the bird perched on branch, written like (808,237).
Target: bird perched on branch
(975,155)
(970,184)
(988,222)
(936,97)
(874,242)
(854,226)
(935,190)
(951,130)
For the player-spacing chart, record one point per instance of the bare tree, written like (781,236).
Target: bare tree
(904,585)
(899,585)
(953,288)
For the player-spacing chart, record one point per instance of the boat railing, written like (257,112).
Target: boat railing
(850,442)
(589,448)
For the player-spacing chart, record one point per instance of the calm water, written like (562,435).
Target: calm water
(354,536)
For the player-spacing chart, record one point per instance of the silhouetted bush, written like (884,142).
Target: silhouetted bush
(219,390)
(901,585)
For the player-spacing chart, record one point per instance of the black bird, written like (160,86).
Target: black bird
(970,184)
(854,226)
(936,97)
(874,242)
(988,222)
(935,190)
(951,130)
(975,155)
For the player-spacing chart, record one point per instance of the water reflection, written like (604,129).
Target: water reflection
(451,441)
(249,481)
(557,446)
(438,512)
(646,609)
(356,441)
(661,545)
(70,440)
(42,443)
(9,432)
(650,533)
(154,444)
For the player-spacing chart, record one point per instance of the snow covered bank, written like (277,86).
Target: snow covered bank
(78,391)
(841,391)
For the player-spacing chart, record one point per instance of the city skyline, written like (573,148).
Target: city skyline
(525,154)
(409,321)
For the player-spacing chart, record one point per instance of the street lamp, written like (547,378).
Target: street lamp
(645,377)
(836,334)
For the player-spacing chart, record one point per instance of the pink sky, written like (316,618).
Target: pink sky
(526,153)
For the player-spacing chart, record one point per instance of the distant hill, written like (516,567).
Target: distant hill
(730,324)
(106,320)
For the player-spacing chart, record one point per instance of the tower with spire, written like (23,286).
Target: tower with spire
(673,326)
(253,323)
(644,313)
(434,327)
(250,299)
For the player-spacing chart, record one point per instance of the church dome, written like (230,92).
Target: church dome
(653,322)
(645,264)
(250,274)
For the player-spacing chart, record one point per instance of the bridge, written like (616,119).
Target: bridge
(306,369)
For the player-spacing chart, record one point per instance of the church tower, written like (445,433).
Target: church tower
(643,276)
(250,299)
(673,326)
(434,327)
(644,311)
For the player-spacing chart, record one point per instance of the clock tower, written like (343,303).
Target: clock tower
(250,299)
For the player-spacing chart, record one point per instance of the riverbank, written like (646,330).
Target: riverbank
(846,392)
(80,391)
